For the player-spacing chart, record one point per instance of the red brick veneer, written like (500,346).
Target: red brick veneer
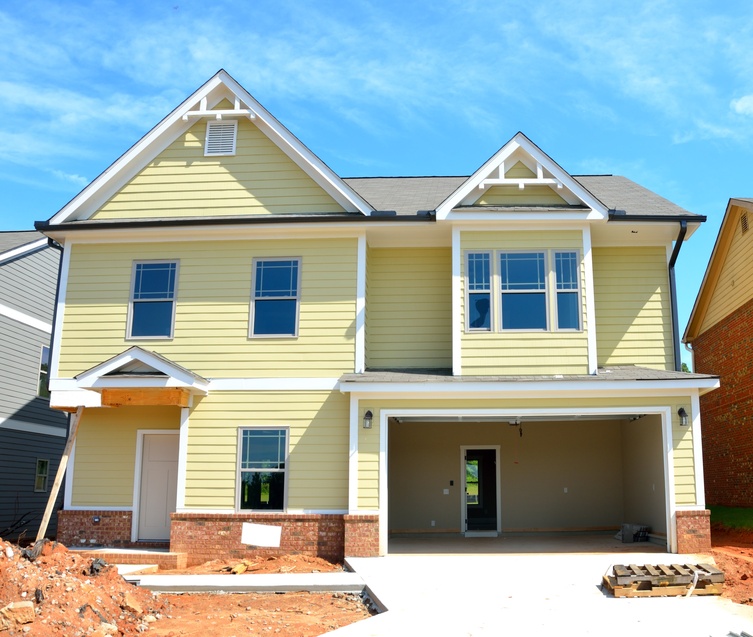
(208,536)
(727,413)
(361,535)
(78,528)
(693,531)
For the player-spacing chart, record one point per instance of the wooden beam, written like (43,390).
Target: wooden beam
(75,420)
(147,396)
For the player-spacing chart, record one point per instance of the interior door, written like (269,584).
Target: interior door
(481,490)
(159,485)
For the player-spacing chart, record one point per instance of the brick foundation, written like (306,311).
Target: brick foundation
(78,528)
(361,535)
(210,536)
(693,531)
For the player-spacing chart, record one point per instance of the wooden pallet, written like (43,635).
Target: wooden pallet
(664,580)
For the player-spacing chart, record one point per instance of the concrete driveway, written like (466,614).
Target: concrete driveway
(554,590)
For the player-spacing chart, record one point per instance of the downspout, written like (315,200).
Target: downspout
(673,295)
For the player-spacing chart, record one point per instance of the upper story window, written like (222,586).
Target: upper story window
(220,139)
(263,459)
(43,390)
(274,306)
(538,290)
(42,475)
(152,306)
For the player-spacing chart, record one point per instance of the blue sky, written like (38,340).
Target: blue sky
(658,91)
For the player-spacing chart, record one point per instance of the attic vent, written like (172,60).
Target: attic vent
(221,138)
(744,222)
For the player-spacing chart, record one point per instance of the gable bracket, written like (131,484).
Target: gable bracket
(236,111)
(520,183)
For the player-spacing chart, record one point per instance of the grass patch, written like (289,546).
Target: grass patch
(732,517)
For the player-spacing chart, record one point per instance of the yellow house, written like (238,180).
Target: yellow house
(249,338)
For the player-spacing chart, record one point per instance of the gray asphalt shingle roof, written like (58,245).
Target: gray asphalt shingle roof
(407,195)
(15,239)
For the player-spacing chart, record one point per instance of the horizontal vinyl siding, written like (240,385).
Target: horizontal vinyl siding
(182,182)
(735,285)
(105,459)
(212,314)
(28,284)
(18,398)
(19,452)
(523,352)
(318,446)
(633,315)
(409,308)
(682,437)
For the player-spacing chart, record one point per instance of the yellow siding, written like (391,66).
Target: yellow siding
(105,458)
(633,316)
(212,312)
(318,446)
(514,196)
(735,285)
(409,308)
(682,437)
(182,182)
(501,353)
(520,171)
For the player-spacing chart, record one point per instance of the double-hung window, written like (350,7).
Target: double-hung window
(152,308)
(523,282)
(479,291)
(263,461)
(568,298)
(274,306)
(41,476)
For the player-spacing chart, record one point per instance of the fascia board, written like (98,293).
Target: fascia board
(711,275)
(166,131)
(20,251)
(553,217)
(521,141)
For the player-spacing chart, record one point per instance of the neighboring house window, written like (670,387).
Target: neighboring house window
(568,298)
(152,308)
(523,281)
(479,291)
(274,307)
(220,139)
(263,458)
(538,290)
(43,390)
(40,480)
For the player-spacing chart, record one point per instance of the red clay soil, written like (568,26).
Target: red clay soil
(63,594)
(733,552)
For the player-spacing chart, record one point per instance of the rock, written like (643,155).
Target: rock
(19,612)
(130,603)
(149,619)
(9,552)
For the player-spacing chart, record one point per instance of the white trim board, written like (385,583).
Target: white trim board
(25,319)
(28,248)
(33,428)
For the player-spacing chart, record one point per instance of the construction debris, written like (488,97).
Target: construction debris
(663,580)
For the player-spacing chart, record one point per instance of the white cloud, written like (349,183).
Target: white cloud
(743,105)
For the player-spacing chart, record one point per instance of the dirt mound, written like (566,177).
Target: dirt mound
(733,552)
(266,564)
(47,590)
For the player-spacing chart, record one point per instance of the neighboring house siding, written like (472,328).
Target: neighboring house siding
(212,312)
(182,182)
(28,284)
(19,451)
(408,309)
(317,469)
(633,316)
(725,349)
(735,285)
(523,352)
(105,453)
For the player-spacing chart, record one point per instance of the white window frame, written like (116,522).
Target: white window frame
(296,298)
(131,300)
(45,476)
(218,124)
(469,292)
(239,470)
(500,292)
(550,291)
(44,375)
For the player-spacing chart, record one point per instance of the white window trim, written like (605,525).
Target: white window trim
(286,471)
(37,475)
(550,291)
(129,319)
(224,122)
(296,298)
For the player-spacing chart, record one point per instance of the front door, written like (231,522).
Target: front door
(159,485)
(481,490)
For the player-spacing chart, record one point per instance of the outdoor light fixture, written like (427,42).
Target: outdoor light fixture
(683,416)
(367,418)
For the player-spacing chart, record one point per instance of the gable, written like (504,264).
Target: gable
(182,182)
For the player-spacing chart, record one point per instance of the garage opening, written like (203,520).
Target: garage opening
(585,474)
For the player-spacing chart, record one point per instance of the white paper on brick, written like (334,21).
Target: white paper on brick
(261,535)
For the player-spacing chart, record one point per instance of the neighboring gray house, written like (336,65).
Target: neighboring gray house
(32,436)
